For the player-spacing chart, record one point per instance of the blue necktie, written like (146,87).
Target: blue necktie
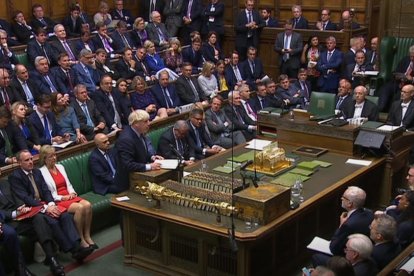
(47,131)
(108,159)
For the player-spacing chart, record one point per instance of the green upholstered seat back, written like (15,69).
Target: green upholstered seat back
(401,49)
(77,168)
(22,58)
(155,135)
(372,99)
(387,52)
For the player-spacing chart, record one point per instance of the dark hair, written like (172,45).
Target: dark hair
(74,7)
(62,55)
(217,97)
(16,13)
(340,266)
(196,111)
(43,98)
(4,112)
(408,213)
(40,31)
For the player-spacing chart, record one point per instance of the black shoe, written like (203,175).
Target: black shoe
(24,271)
(55,267)
(81,253)
(94,246)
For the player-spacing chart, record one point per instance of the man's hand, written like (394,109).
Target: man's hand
(53,211)
(343,218)
(155,166)
(188,162)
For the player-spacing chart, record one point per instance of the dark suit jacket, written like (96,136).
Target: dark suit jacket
(195,15)
(145,4)
(395,113)
(185,92)
(62,81)
(80,45)
(38,126)
(231,77)
(30,139)
(329,82)
(118,43)
(353,26)
(104,106)
(208,53)
(115,74)
(125,70)
(6,61)
(218,24)
(345,101)
(72,30)
(167,139)
(249,76)
(242,31)
(23,189)
(132,156)
(102,180)
(288,94)
(159,98)
(204,139)
(384,253)
(140,71)
(296,44)
(41,83)
(58,48)
(237,123)
(16,140)
(194,57)
(365,268)
(34,50)
(34,89)
(301,24)
(255,103)
(370,110)
(330,26)
(8,201)
(13,95)
(82,77)
(22,33)
(358,222)
(97,42)
(153,33)
(356,80)
(215,127)
(126,16)
(369,59)
(349,58)
(307,86)
(271,22)
(94,113)
(38,24)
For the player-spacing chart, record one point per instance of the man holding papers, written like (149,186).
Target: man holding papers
(402,111)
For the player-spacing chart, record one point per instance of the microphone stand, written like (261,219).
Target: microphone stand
(180,167)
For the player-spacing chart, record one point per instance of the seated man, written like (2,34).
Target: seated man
(157,32)
(43,77)
(64,75)
(44,122)
(165,94)
(176,143)
(119,13)
(360,107)
(194,56)
(233,72)
(103,41)
(275,98)
(11,138)
(261,100)
(244,92)
(402,111)
(103,66)
(290,94)
(354,70)
(238,116)
(134,151)
(8,94)
(203,146)
(60,43)
(252,68)
(344,94)
(269,21)
(40,47)
(220,127)
(40,21)
(89,117)
(142,68)
(25,86)
(73,23)
(28,185)
(304,86)
(8,59)
(358,252)
(85,73)
(126,65)
(187,87)
(103,167)
(121,38)
(356,219)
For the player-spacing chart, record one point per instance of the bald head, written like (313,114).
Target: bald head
(101,141)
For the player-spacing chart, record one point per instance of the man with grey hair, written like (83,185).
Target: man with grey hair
(329,65)
(84,72)
(382,232)
(7,58)
(176,143)
(238,116)
(358,251)
(44,79)
(360,107)
(157,32)
(356,219)
(60,44)
(134,151)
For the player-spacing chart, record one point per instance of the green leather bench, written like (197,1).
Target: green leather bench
(22,58)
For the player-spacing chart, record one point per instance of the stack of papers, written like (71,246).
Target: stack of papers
(321,245)
(358,162)
(168,164)
(229,167)
(258,144)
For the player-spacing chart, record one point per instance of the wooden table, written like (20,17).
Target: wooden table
(176,240)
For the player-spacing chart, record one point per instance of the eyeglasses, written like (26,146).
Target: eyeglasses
(346,249)
(345,198)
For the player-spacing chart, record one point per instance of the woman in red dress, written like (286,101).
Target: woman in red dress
(65,196)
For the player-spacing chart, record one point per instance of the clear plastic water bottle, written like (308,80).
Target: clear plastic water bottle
(300,185)
(204,167)
(295,192)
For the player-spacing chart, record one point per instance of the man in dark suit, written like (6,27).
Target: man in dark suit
(325,24)
(7,58)
(11,138)
(44,122)
(25,86)
(142,68)
(28,185)
(329,65)
(252,68)
(203,145)
(64,75)
(121,39)
(355,70)
(304,86)
(194,55)
(104,67)
(11,37)
(233,71)
(126,66)
(187,87)
(90,119)
(103,166)
(372,57)
(248,24)
(261,100)
(402,111)
(213,14)
(347,22)
(238,116)
(275,99)
(360,107)
(165,94)
(356,219)
(85,73)
(108,105)
(44,79)
(382,232)
(119,13)
(349,57)
(134,150)
(102,40)
(172,14)
(298,21)
(73,22)
(157,32)
(191,14)
(344,94)
(221,127)
(290,94)
(39,47)
(358,252)
(40,21)
(8,94)
(175,143)
(148,6)
(267,18)
(62,45)
(289,46)
(21,29)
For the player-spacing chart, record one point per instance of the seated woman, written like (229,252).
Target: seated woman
(139,35)
(121,92)
(66,117)
(173,58)
(18,110)
(143,99)
(404,215)
(153,59)
(207,80)
(65,196)
(223,87)
(211,50)
(85,42)
(103,15)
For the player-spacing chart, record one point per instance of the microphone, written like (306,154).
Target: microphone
(232,239)
(176,152)
(245,165)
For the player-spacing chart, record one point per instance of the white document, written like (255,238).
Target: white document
(63,145)
(387,128)
(168,164)
(358,162)
(185,108)
(258,144)
(321,245)
(186,173)
(409,265)
(122,198)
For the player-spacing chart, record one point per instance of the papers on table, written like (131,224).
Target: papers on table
(388,128)
(258,144)
(185,108)
(321,245)
(63,145)
(168,164)
(122,198)
(367,73)
(409,265)
(358,162)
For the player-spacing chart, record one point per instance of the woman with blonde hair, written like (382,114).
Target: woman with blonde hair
(139,35)
(103,14)
(207,80)
(173,58)
(65,196)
